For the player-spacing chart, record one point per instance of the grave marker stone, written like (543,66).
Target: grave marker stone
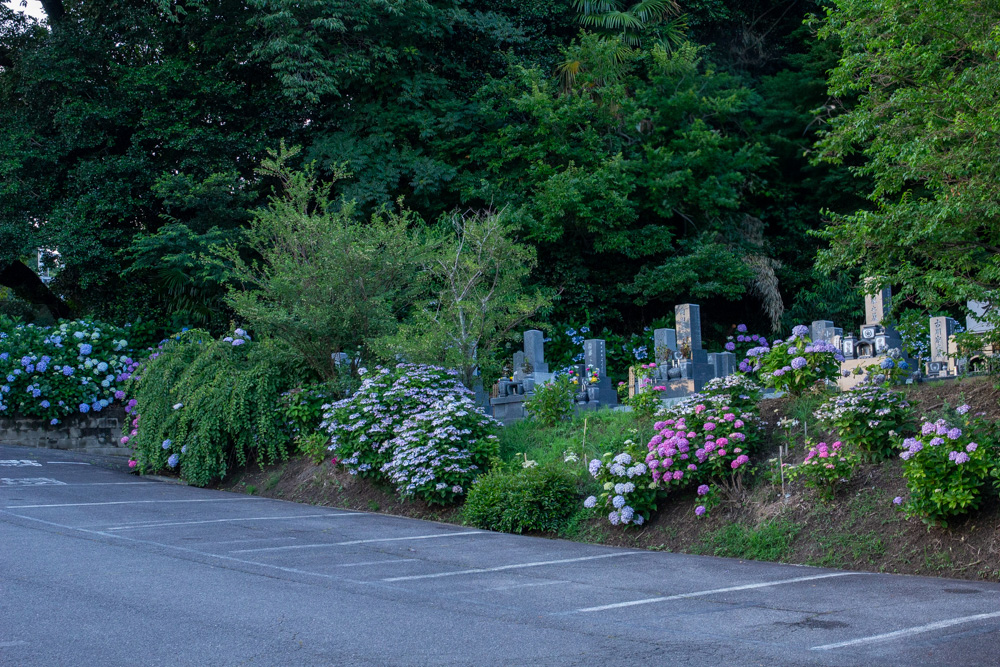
(534,350)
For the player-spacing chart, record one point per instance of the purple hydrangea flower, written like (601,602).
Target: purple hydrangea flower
(699,510)
(742,328)
(955,434)
(897,500)
(798,363)
(800,330)
(703,489)
(590,502)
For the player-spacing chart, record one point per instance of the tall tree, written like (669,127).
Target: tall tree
(927,124)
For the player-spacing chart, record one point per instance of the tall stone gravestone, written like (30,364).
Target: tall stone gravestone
(877,305)
(534,350)
(689,332)
(976,323)
(941,330)
(876,337)
(664,344)
(595,357)
(694,370)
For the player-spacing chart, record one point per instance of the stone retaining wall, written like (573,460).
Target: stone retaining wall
(94,432)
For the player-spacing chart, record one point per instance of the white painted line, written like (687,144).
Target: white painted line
(376,562)
(507,588)
(101,483)
(19,463)
(30,481)
(66,463)
(134,502)
(696,594)
(906,632)
(249,518)
(516,566)
(353,542)
(174,547)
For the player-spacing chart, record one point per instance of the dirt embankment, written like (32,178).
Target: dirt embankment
(860,530)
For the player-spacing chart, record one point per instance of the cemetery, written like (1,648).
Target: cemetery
(623,272)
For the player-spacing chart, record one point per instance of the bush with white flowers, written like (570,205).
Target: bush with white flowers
(415,427)
(869,418)
(53,372)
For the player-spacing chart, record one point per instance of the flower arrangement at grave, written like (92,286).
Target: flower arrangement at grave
(415,427)
(72,368)
(947,466)
(796,364)
(824,468)
(593,376)
(869,418)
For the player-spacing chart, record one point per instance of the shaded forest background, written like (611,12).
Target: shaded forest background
(652,155)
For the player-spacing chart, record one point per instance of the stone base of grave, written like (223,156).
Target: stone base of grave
(852,380)
(508,409)
(98,433)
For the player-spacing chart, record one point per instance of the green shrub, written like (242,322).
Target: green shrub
(521,500)
(204,405)
(770,541)
(552,402)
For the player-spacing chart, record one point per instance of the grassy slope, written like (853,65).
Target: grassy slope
(859,530)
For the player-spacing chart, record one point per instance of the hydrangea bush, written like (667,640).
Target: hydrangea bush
(868,417)
(628,495)
(71,368)
(738,390)
(946,467)
(824,467)
(796,364)
(415,427)
(741,343)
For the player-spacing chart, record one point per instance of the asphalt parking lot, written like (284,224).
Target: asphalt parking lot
(98,567)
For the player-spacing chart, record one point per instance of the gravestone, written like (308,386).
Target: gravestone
(664,343)
(724,363)
(976,322)
(878,305)
(595,357)
(534,350)
(518,367)
(689,331)
(821,330)
(941,330)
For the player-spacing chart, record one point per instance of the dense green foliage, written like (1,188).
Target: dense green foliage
(648,159)
(540,498)
(926,121)
(205,405)
(552,402)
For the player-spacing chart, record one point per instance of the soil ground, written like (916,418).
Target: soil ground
(859,530)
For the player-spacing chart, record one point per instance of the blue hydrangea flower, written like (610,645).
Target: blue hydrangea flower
(67,370)
(173,459)
(167,443)
(84,408)
(85,349)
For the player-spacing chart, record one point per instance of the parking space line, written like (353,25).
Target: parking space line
(134,502)
(507,588)
(65,463)
(730,589)
(906,632)
(353,542)
(99,484)
(249,518)
(516,566)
